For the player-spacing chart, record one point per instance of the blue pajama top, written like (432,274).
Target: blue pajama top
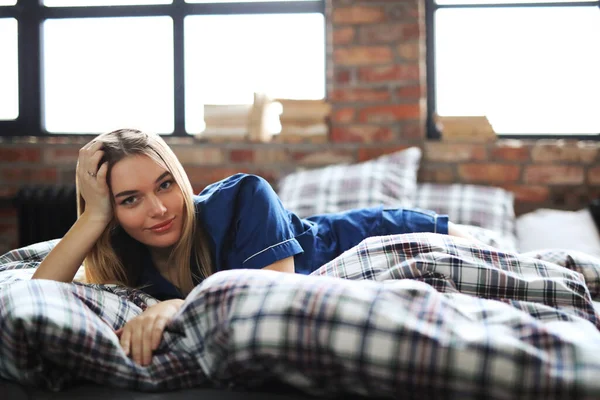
(248,227)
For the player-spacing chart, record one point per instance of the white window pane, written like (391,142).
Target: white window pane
(8,2)
(539,76)
(9,69)
(236,1)
(73,3)
(229,57)
(107,73)
(445,2)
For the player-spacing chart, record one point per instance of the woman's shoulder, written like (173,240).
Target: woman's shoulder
(232,184)
(229,190)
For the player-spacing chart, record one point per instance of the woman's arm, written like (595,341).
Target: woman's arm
(454,230)
(285,265)
(62,263)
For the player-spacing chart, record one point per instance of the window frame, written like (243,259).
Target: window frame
(30,15)
(430,8)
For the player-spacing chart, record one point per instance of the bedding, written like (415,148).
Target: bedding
(549,229)
(389,180)
(416,316)
(487,207)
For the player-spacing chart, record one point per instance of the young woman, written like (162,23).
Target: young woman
(141,225)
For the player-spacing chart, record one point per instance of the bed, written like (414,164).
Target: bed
(402,316)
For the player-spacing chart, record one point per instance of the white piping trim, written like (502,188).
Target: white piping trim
(263,250)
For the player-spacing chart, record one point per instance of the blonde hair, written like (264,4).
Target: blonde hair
(116,256)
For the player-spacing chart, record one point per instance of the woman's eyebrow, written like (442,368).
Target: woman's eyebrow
(130,192)
(164,174)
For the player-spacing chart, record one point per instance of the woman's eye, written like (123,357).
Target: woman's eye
(166,184)
(128,201)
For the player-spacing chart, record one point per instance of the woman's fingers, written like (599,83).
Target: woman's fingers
(157,331)
(101,174)
(92,158)
(137,344)
(94,161)
(126,340)
(86,153)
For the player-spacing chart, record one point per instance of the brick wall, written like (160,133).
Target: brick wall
(376,83)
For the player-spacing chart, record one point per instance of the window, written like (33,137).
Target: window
(531,68)
(283,55)
(9,77)
(88,66)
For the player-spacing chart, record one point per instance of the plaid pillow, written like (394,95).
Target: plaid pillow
(389,180)
(483,206)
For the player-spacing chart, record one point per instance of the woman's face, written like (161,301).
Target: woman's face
(149,205)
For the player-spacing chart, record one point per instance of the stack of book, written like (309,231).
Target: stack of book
(465,128)
(226,120)
(303,118)
(288,118)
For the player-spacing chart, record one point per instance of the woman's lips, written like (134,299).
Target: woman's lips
(163,226)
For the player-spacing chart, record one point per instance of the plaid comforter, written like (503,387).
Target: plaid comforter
(416,316)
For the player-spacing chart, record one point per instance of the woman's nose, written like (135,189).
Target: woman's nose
(157,207)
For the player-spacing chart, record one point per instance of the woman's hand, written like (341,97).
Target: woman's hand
(91,179)
(142,334)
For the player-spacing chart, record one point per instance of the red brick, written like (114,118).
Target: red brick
(411,31)
(8,191)
(454,152)
(270,176)
(529,193)
(61,155)
(276,155)
(22,175)
(411,130)
(411,92)
(409,51)
(202,176)
(571,197)
(594,176)
(362,134)
(489,173)
(8,212)
(557,151)
(358,15)
(343,115)
(381,33)
(397,72)
(390,113)
(370,153)
(198,187)
(363,55)
(241,156)
(437,173)
(554,174)
(343,36)
(362,95)
(325,157)
(199,155)
(510,152)
(19,154)
(342,76)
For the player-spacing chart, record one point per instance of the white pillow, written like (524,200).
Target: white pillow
(557,229)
